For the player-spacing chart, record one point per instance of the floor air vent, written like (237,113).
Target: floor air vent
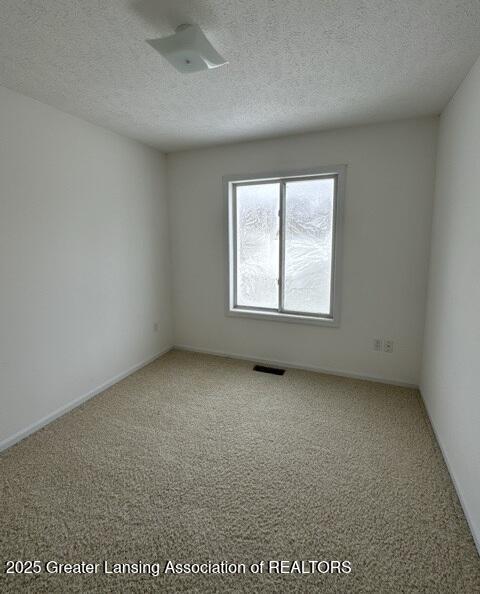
(273,370)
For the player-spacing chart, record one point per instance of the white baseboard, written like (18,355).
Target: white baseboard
(456,484)
(293,365)
(13,439)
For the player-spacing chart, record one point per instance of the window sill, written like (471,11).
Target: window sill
(282,317)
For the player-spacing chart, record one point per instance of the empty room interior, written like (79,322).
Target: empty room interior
(240,296)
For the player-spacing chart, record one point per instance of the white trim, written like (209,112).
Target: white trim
(294,365)
(456,484)
(276,316)
(23,433)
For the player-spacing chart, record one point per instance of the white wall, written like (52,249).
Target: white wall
(386,242)
(450,377)
(84,259)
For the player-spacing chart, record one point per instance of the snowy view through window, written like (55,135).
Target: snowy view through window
(307,238)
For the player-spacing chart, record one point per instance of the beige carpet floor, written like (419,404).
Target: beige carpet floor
(197,458)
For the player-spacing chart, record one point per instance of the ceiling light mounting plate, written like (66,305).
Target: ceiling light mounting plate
(188,50)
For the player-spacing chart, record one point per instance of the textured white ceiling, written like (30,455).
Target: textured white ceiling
(295,65)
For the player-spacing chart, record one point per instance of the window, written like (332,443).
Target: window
(284,242)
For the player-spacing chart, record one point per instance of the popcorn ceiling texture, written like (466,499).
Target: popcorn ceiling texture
(294,66)
(198,458)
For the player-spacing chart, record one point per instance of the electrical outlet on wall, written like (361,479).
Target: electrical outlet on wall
(377,344)
(155,327)
(388,346)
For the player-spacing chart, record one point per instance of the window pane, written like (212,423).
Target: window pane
(308,245)
(257,245)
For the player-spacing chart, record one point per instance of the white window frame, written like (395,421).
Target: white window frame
(338,173)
